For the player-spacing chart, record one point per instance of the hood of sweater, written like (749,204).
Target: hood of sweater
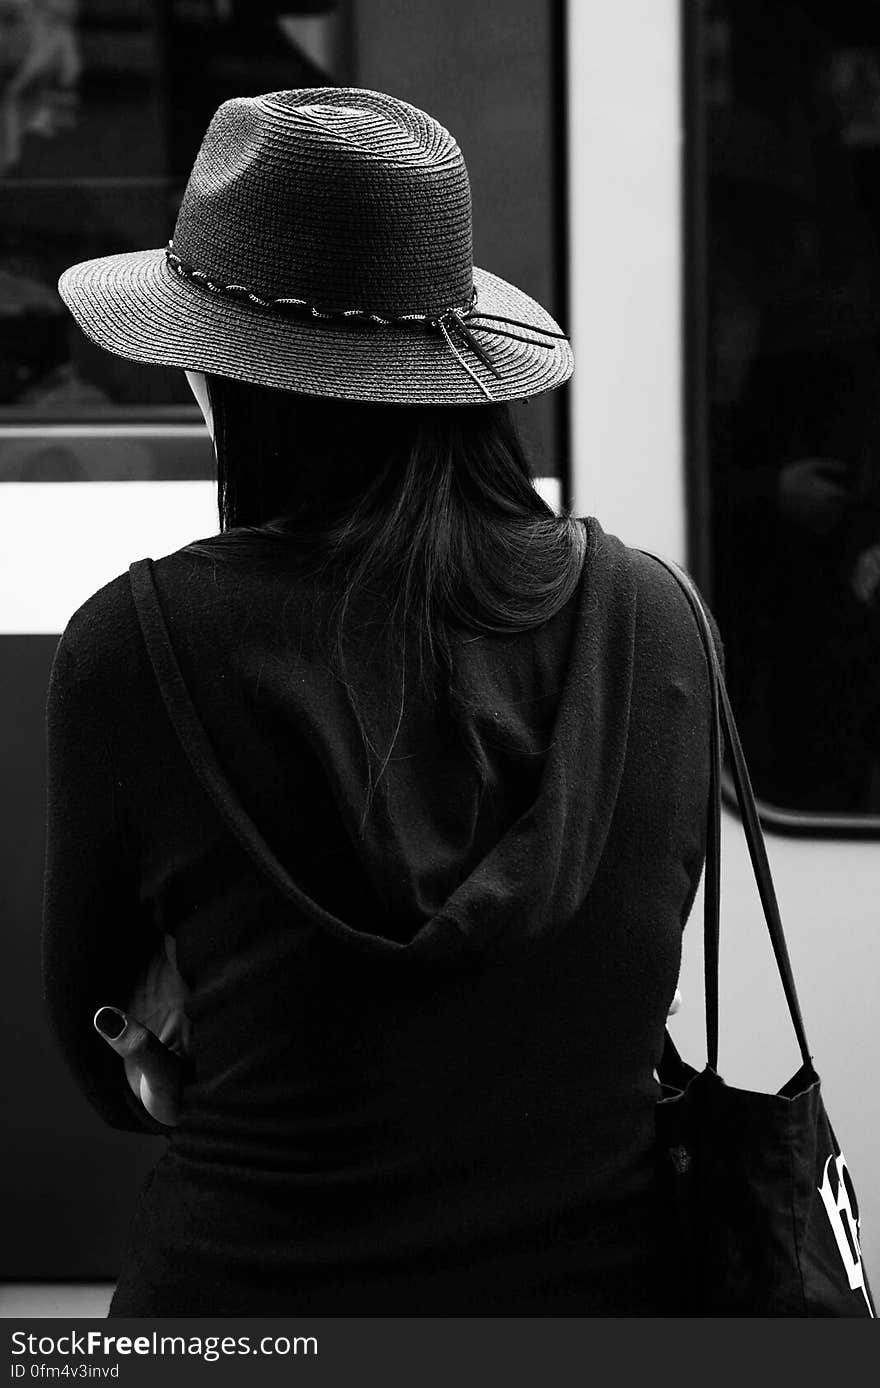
(490,815)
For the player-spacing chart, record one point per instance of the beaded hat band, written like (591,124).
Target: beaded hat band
(323,245)
(457,320)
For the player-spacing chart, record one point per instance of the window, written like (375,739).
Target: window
(785,388)
(103,104)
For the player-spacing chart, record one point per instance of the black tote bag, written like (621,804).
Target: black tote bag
(763,1208)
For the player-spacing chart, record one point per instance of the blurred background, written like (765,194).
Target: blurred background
(691,187)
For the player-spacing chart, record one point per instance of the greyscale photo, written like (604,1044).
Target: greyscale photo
(440,629)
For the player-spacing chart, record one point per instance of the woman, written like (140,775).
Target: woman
(407,774)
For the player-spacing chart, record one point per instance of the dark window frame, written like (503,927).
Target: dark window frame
(117,415)
(695,403)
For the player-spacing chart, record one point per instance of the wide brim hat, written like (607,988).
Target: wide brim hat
(324,246)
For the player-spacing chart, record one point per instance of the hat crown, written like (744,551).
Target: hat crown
(344,198)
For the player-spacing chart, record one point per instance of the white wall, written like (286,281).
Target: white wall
(90,531)
(625,235)
(624,144)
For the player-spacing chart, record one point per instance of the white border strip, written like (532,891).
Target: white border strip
(61,541)
(39,432)
(624,143)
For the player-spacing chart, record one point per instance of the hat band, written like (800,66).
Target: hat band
(459,320)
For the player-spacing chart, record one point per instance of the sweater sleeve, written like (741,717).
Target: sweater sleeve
(95,937)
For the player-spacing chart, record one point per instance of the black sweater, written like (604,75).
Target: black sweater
(423,1079)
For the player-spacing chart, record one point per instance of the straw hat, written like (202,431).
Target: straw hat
(323,245)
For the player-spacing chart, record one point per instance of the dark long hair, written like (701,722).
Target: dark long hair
(431,507)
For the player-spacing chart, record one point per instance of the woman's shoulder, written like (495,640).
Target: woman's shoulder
(103,631)
(93,658)
(663,613)
(644,566)
(96,626)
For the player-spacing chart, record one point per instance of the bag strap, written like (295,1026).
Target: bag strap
(722,719)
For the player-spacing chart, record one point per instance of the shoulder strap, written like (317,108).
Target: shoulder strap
(196,744)
(723,720)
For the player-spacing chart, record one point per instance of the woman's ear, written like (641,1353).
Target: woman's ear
(199,387)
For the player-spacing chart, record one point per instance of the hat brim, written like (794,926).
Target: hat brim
(134,306)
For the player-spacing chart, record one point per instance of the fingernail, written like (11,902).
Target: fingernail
(110,1022)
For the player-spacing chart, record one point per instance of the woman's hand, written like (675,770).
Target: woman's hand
(152,1035)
